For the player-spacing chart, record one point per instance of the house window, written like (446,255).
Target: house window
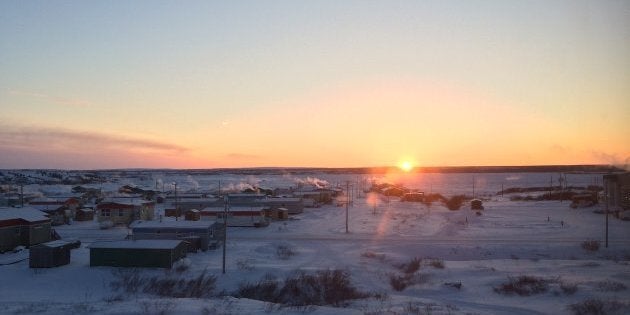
(106,212)
(121,213)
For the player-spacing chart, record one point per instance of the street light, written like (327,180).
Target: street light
(226,205)
(176,205)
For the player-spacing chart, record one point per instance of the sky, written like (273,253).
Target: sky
(213,84)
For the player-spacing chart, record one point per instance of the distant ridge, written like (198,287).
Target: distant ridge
(377,170)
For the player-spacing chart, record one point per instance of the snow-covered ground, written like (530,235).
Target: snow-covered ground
(480,252)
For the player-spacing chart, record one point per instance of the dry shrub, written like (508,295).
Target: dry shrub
(595,306)
(244,264)
(568,288)
(326,287)
(523,286)
(591,245)
(130,281)
(455,202)
(412,266)
(436,263)
(284,252)
(201,287)
(611,286)
(370,254)
(401,282)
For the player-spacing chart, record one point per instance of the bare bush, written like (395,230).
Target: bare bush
(455,202)
(157,307)
(591,245)
(370,254)
(417,308)
(182,267)
(326,287)
(568,288)
(611,286)
(410,267)
(128,280)
(284,252)
(436,263)
(401,282)
(598,307)
(523,286)
(200,287)
(430,198)
(244,264)
(265,290)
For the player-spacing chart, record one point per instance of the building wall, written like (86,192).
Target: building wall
(24,235)
(10,237)
(173,234)
(38,233)
(132,257)
(126,215)
(617,191)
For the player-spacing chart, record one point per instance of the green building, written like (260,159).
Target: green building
(138,253)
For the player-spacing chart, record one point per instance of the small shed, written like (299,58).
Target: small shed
(476,204)
(192,215)
(277,213)
(171,212)
(138,253)
(50,254)
(413,197)
(84,214)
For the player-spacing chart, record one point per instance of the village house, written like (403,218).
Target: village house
(60,209)
(246,200)
(617,193)
(124,210)
(84,214)
(23,227)
(186,204)
(192,215)
(140,253)
(318,196)
(277,213)
(203,233)
(51,254)
(236,216)
(293,205)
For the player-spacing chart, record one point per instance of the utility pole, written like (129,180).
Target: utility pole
(347,201)
(21,195)
(176,205)
(606,199)
(225,213)
(550,185)
(473,186)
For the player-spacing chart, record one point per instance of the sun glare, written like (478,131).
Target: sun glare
(406,166)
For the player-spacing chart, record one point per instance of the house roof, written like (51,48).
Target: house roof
(46,208)
(170,224)
(28,214)
(138,244)
(284,199)
(233,209)
(126,201)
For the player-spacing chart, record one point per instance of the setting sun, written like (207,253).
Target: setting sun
(406,166)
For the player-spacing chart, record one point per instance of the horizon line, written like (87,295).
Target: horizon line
(417,169)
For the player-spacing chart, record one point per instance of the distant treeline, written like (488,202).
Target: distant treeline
(371,170)
(389,169)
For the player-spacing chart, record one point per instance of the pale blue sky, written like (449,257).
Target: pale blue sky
(189,68)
